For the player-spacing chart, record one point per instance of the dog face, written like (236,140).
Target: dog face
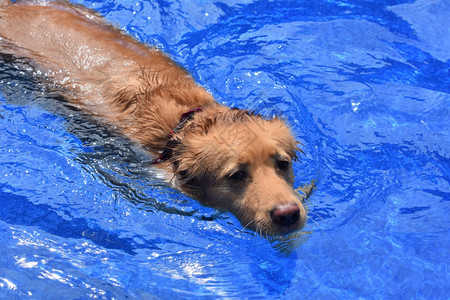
(242,163)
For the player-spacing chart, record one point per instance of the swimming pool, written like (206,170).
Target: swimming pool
(365,86)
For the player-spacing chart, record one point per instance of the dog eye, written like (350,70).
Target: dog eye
(238,176)
(283,165)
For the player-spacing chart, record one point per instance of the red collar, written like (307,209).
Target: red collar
(166,154)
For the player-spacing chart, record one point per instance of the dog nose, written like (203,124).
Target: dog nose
(285,215)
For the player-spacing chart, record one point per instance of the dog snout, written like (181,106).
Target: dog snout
(285,215)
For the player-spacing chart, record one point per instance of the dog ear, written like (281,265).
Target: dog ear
(297,149)
(191,182)
(182,160)
(285,138)
(184,173)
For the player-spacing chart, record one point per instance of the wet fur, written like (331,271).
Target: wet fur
(143,93)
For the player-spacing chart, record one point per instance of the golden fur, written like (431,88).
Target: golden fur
(226,158)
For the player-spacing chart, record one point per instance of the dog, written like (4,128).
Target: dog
(226,158)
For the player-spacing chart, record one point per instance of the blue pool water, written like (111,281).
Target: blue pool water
(365,86)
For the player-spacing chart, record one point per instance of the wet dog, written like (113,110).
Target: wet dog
(226,158)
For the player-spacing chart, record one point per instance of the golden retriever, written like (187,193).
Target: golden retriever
(226,158)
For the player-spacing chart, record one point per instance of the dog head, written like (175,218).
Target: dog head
(241,162)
